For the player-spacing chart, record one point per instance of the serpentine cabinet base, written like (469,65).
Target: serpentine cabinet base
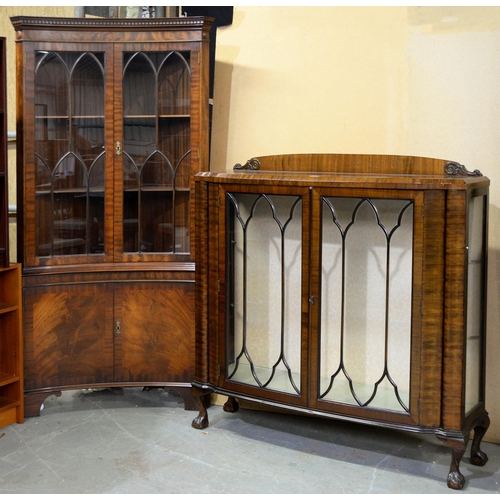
(350,287)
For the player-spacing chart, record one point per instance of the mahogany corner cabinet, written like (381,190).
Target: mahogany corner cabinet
(113,121)
(346,286)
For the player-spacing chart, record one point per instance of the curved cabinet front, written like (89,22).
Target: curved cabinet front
(114,334)
(357,296)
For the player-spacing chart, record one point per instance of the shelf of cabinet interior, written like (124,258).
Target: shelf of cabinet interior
(183,115)
(6,308)
(63,117)
(158,189)
(7,403)
(69,191)
(8,378)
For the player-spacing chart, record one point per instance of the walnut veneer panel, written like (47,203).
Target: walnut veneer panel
(449,221)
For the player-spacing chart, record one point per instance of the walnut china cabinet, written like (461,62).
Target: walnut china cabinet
(112,123)
(346,286)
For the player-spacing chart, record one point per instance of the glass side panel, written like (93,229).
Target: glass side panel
(69,153)
(366,287)
(475,302)
(156,152)
(264,291)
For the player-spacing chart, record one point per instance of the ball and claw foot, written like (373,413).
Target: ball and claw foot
(478,457)
(200,422)
(202,398)
(455,480)
(231,405)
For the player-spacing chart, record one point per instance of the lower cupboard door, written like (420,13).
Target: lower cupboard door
(68,336)
(154,332)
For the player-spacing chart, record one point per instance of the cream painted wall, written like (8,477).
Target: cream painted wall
(395,80)
(320,79)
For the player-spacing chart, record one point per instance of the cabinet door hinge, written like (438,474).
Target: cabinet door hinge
(218,374)
(218,286)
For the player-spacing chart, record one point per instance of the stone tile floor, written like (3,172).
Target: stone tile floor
(134,441)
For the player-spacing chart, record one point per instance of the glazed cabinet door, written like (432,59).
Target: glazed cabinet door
(68,171)
(117,134)
(263,269)
(322,294)
(158,106)
(475,348)
(375,275)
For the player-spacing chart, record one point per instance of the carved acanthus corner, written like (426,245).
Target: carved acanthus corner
(252,164)
(454,168)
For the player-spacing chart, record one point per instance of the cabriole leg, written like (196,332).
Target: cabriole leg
(202,398)
(455,478)
(231,405)
(478,457)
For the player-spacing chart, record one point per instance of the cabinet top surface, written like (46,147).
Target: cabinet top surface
(350,170)
(35,22)
(111,29)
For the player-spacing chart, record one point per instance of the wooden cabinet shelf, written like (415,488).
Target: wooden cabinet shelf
(7,404)
(156,189)
(149,117)
(351,287)
(113,114)
(5,308)
(76,117)
(7,378)
(11,342)
(11,347)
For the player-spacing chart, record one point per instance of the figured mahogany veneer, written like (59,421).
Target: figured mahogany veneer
(113,121)
(341,210)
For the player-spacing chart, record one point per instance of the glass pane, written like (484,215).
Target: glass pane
(175,143)
(139,85)
(264,280)
(70,153)
(87,79)
(366,287)
(475,303)
(88,137)
(96,205)
(157,228)
(51,85)
(156,152)
(174,88)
